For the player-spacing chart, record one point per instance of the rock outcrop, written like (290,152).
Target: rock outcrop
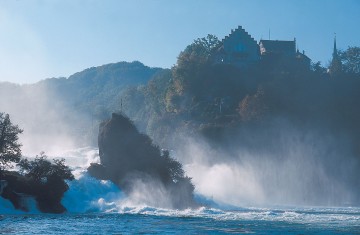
(127,155)
(17,188)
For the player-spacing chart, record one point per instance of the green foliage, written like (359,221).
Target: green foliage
(199,52)
(202,94)
(47,180)
(253,107)
(146,105)
(41,170)
(192,63)
(155,92)
(10,151)
(207,45)
(40,178)
(196,81)
(351,60)
(175,167)
(98,90)
(318,68)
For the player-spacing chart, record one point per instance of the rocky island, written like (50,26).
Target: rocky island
(126,156)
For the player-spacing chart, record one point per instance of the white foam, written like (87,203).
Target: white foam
(87,194)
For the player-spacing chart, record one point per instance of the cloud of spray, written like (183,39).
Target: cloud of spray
(88,194)
(49,123)
(147,191)
(295,167)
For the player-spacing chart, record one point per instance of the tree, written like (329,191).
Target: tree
(41,169)
(190,73)
(351,60)
(174,167)
(336,67)
(254,107)
(207,45)
(47,180)
(10,151)
(199,52)
(318,68)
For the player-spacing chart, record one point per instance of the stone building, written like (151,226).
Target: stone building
(283,54)
(277,48)
(241,50)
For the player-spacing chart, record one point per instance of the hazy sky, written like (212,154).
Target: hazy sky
(52,38)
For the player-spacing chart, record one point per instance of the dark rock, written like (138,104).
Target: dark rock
(126,154)
(16,189)
(47,196)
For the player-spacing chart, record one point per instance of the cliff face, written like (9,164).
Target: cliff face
(127,155)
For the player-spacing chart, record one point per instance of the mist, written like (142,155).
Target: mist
(276,143)
(280,165)
(49,123)
(277,164)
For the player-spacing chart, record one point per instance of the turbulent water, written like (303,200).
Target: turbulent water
(147,220)
(99,207)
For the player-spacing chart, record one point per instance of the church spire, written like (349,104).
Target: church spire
(335,52)
(335,66)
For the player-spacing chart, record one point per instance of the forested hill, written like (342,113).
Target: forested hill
(105,77)
(200,96)
(68,109)
(100,86)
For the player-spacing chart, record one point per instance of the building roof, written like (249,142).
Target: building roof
(302,56)
(239,31)
(276,46)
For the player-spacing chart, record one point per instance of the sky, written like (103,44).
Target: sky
(41,39)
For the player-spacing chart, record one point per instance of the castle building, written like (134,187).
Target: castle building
(302,61)
(241,50)
(277,48)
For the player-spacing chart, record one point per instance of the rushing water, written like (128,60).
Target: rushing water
(99,207)
(146,220)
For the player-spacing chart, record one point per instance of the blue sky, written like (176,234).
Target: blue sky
(52,38)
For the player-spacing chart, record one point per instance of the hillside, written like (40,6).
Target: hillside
(68,110)
(100,87)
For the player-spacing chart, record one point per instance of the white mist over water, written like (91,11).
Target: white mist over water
(302,172)
(87,194)
(297,174)
(222,181)
(49,124)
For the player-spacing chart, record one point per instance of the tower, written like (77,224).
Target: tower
(335,51)
(335,66)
